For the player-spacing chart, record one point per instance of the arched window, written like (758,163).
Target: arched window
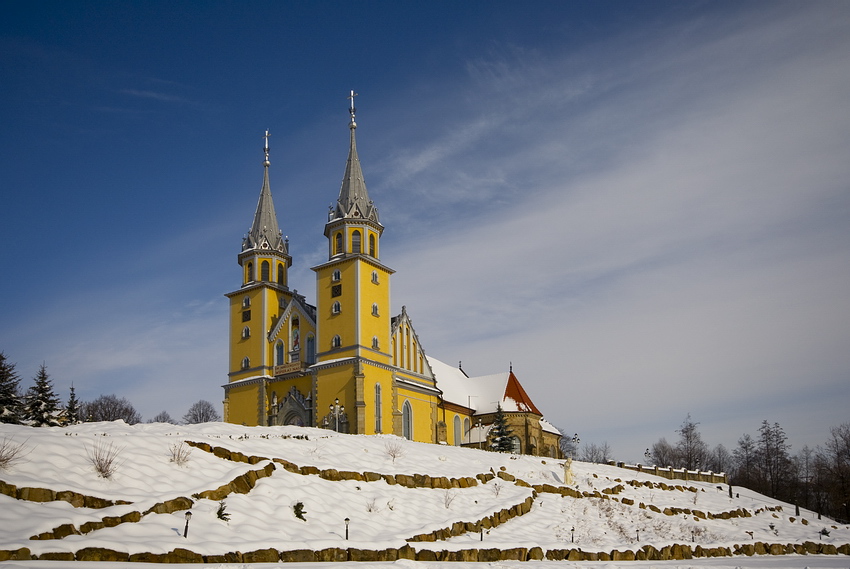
(337,276)
(246,363)
(338,244)
(336,342)
(372,245)
(516,446)
(376,345)
(407,420)
(355,242)
(375,309)
(311,349)
(278,354)
(264,271)
(249,273)
(246,302)
(336,308)
(378,408)
(281,274)
(466,430)
(458,431)
(246,333)
(375,277)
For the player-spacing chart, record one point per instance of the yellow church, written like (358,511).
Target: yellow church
(346,363)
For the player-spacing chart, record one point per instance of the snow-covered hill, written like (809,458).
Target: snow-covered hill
(401,499)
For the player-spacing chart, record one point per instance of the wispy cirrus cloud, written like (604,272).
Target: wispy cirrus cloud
(155,95)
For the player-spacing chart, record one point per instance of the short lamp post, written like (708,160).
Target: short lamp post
(638,535)
(573,534)
(346,528)
(186,528)
(336,411)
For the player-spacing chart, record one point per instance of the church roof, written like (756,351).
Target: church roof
(353,201)
(264,232)
(481,393)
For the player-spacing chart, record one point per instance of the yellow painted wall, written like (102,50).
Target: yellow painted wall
(243,404)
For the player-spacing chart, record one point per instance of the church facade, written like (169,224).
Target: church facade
(346,363)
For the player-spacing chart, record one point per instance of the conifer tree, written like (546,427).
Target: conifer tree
(11,407)
(500,432)
(41,405)
(72,409)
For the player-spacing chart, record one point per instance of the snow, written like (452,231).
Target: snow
(381,515)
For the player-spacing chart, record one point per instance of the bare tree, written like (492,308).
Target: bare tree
(663,453)
(110,408)
(691,451)
(596,453)
(834,470)
(201,412)
(745,461)
(773,458)
(162,417)
(719,459)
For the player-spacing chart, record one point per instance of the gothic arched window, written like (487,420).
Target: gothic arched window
(355,242)
(249,273)
(336,342)
(407,420)
(458,432)
(466,429)
(264,271)
(372,245)
(246,363)
(311,349)
(278,354)
(377,407)
(338,244)
(281,279)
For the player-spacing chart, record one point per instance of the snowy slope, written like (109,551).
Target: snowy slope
(617,508)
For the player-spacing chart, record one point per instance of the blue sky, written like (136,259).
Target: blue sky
(643,206)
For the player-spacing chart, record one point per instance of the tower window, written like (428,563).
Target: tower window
(336,342)
(246,332)
(375,344)
(281,274)
(338,244)
(249,273)
(264,271)
(372,245)
(375,310)
(336,308)
(246,302)
(336,290)
(246,363)
(278,354)
(375,277)
(337,276)
(311,349)
(355,242)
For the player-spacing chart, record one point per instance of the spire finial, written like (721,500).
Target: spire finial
(511,364)
(266,147)
(352,109)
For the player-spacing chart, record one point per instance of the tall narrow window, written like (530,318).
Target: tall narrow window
(278,354)
(311,349)
(355,242)
(246,302)
(378,408)
(336,342)
(375,309)
(246,363)
(372,245)
(281,275)
(337,276)
(376,345)
(338,244)
(407,420)
(466,430)
(458,431)
(249,273)
(264,271)
(336,308)
(246,333)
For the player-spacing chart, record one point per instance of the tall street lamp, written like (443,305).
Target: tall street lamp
(336,411)
(346,528)
(575,440)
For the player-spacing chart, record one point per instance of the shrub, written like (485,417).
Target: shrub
(221,513)
(298,510)
(180,453)
(11,453)
(104,458)
(394,449)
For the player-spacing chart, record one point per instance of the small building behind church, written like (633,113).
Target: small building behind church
(346,363)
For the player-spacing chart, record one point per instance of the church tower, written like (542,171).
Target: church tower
(353,311)
(267,320)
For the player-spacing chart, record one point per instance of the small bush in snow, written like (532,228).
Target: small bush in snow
(298,510)
(372,505)
(448,498)
(104,458)
(495,487)
(221,513)
(394,449)
(180,453)
(10,453)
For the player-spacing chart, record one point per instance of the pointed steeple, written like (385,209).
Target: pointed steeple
(353,201)
(264,232)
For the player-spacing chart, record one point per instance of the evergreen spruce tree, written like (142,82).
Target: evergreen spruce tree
(500,433)
(11,407)
(72,409)
(41,405)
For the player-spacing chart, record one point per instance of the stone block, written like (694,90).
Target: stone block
(56,556)
(101,554)
(298,556)
(269,555)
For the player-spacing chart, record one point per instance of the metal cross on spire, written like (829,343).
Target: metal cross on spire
(266,147)
(351,108)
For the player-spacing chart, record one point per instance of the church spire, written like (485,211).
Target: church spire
(353,198)
(264,232)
